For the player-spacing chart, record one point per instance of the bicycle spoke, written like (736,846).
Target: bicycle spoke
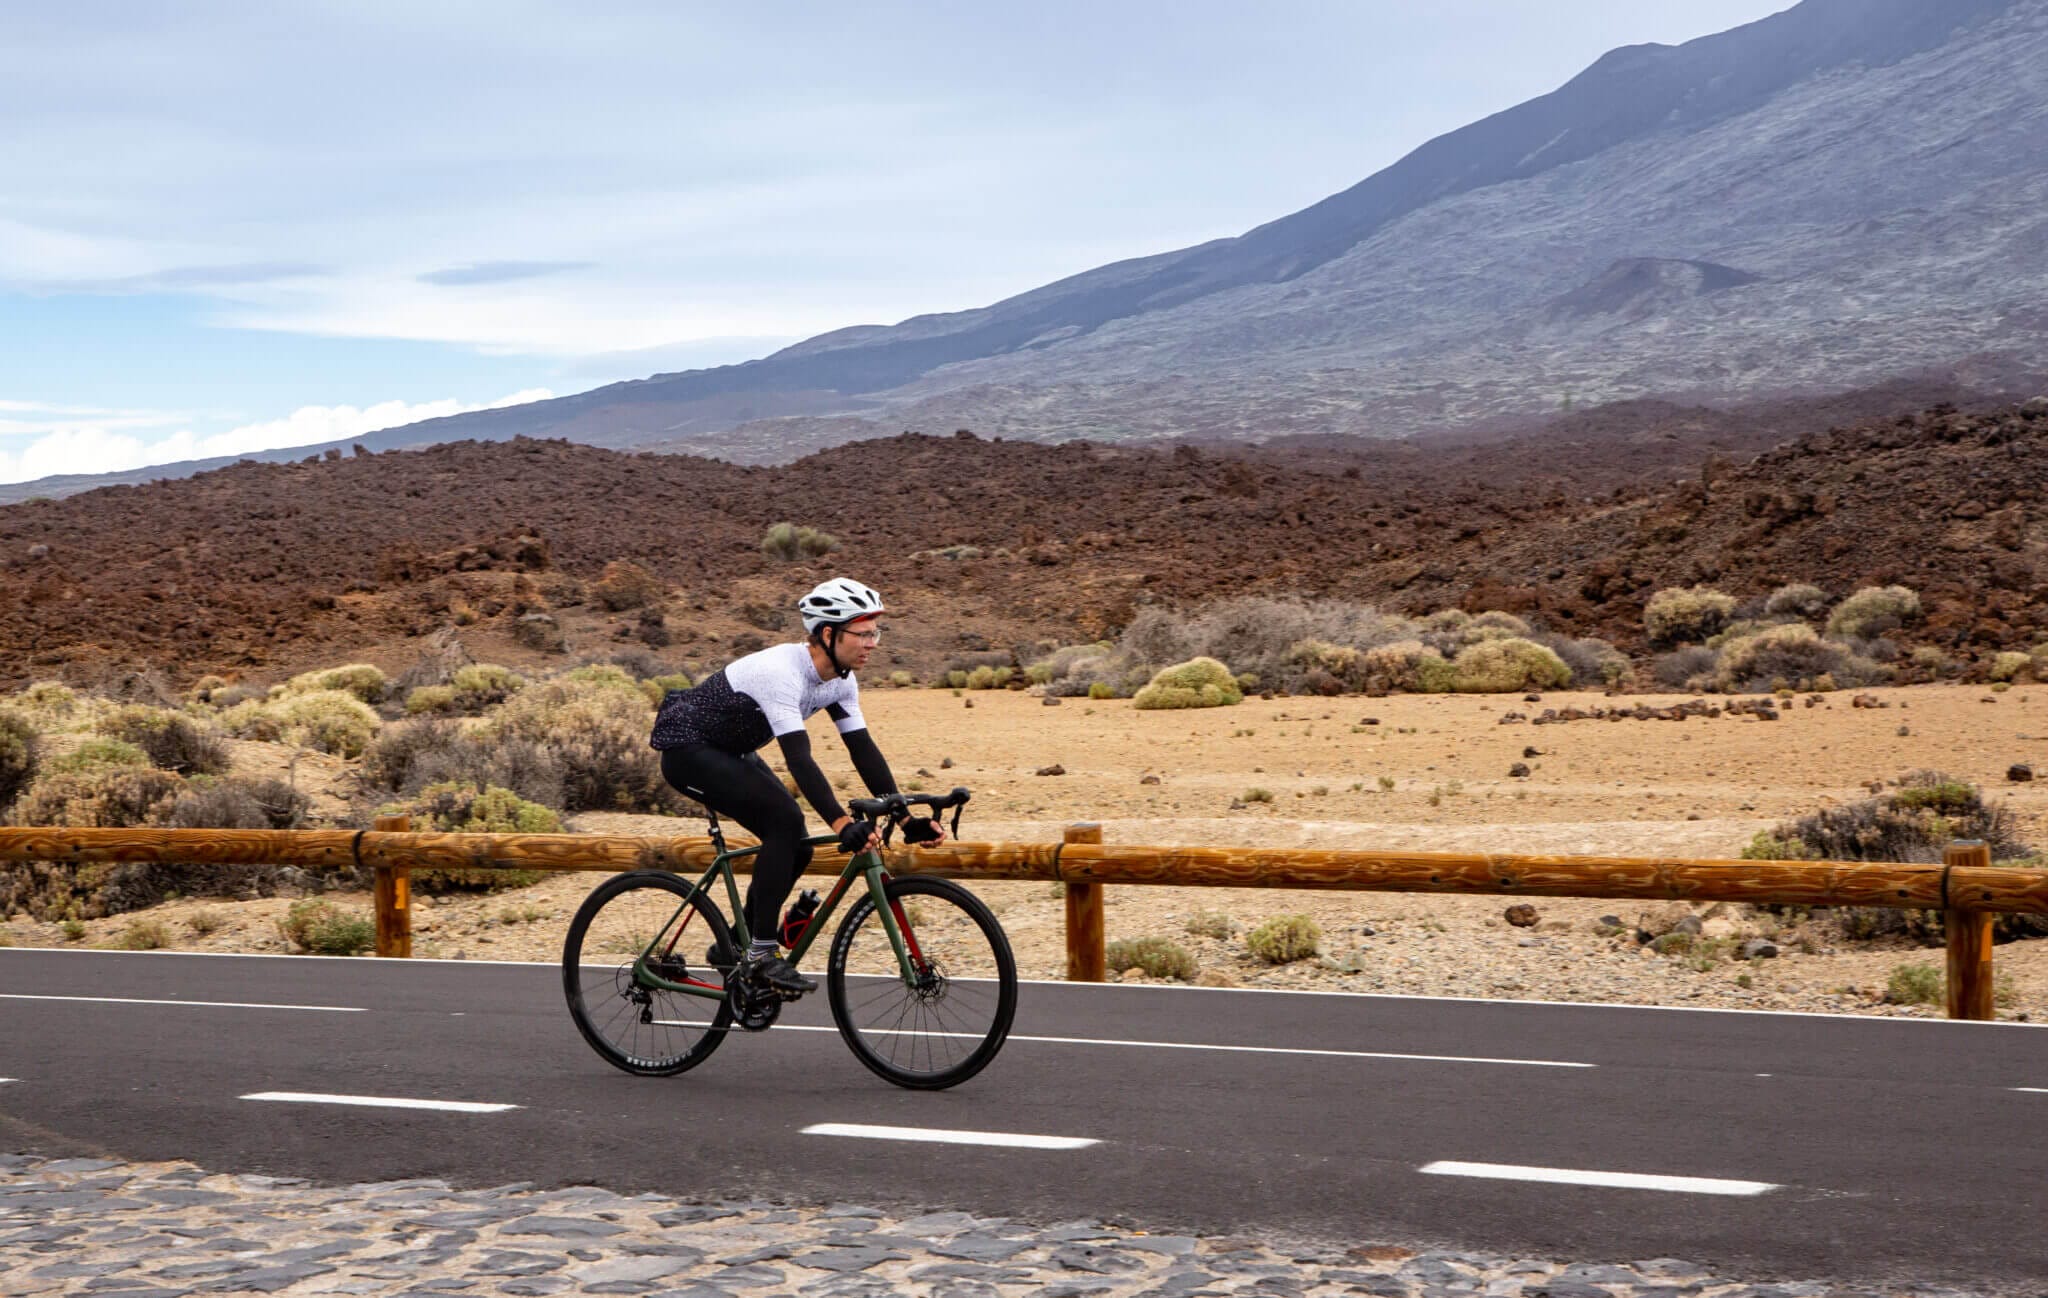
(642,917)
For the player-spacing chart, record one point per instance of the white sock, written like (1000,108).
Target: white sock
(759,947)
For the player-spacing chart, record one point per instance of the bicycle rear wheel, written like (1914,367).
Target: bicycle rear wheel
(650,1031)
(948,1025)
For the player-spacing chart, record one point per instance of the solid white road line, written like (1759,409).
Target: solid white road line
(379,1102)
(2033,1090)
(1179,1045)
(930,1135)
(215,1005)
(1617,1180)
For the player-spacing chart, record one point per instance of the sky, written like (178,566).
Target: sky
(227,227)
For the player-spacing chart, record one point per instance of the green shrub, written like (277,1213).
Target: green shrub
(169,739)
(1158,957)
(1285,939)
(362,680)
(74,930)
(430,698)
(1874,610)
(625,586)
(1678,615)
(609,675)
(902,680)
(1038,674)
(1210,923)
(787,541)
(1102,690)
(96,755)
(469,809)
(1256,794)
(1915,983)
(1766,846)
(322,928)
(20,753)
(2011,666)
(329,721)
(656,688)
(982,678)
(1197,683)
(50,705)
(1508,666)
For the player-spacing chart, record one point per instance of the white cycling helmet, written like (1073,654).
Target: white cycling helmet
(836,602)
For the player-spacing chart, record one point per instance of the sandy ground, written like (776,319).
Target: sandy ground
(1699,787)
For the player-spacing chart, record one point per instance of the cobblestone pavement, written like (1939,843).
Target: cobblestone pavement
(157,1230)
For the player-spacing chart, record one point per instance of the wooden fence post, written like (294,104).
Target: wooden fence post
(1969,942)
(1084,917)
(394,896)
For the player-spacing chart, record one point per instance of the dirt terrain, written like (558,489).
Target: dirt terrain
(256,571)
(1699,787)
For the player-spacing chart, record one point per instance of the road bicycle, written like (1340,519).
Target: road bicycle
(920,976)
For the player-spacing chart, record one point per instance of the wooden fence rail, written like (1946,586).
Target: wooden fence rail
(1966,887)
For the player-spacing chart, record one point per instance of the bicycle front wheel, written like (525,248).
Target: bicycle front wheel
(646,1030)
(943,1026)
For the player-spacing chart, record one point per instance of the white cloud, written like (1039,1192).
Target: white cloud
(95,443)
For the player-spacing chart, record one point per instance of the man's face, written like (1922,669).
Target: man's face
(856,640)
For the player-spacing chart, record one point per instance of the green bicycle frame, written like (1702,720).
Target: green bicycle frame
(866,865)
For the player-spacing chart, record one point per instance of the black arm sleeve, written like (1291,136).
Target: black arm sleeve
(796,755)
(867,759)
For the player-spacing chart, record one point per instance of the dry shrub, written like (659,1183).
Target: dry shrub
(1285,939)
(1593,662)
(1678,615)
(323,928)
(1689,668)
(625,585)
(1158,957)
(1788,654)
(1874,610)
(1407,665)
(95,755)
(408,757)
(430,698)
(1510,665)
(238,804)
(170,740)
(1799,599)
(1197,683)
(1916,821)
(49,705)
(20,751)
(1255,634)
(114,797)
(597,732)
(788,542)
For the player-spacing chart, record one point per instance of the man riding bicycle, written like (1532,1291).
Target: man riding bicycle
(708,737)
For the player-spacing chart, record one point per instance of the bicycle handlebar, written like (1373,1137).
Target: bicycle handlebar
(891,808)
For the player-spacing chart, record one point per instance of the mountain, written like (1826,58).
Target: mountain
(1830,197)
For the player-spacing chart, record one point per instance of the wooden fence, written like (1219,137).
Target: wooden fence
(1966,887)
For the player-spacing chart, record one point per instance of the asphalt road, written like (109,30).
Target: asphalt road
(1892,1149)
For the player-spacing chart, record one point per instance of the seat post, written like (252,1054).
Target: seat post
(717,838)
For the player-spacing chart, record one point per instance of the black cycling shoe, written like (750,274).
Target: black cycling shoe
(779,976)
(720,957)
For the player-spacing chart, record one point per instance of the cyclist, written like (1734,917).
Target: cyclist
(708,737)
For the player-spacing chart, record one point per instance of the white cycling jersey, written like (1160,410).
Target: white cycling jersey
(784,683)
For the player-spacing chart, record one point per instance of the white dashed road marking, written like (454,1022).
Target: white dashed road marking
(213,1005)
(1616,1180)
(2033,1090)
(1179,1045)
(379,1102)
(929,1135)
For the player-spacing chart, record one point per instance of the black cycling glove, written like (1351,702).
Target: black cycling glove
(854,838)
(920,829)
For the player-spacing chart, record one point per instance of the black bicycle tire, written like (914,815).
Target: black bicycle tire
(1006,981)
(572,989)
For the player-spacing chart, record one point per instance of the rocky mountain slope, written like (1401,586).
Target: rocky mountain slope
(1834,196)
(257,570)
